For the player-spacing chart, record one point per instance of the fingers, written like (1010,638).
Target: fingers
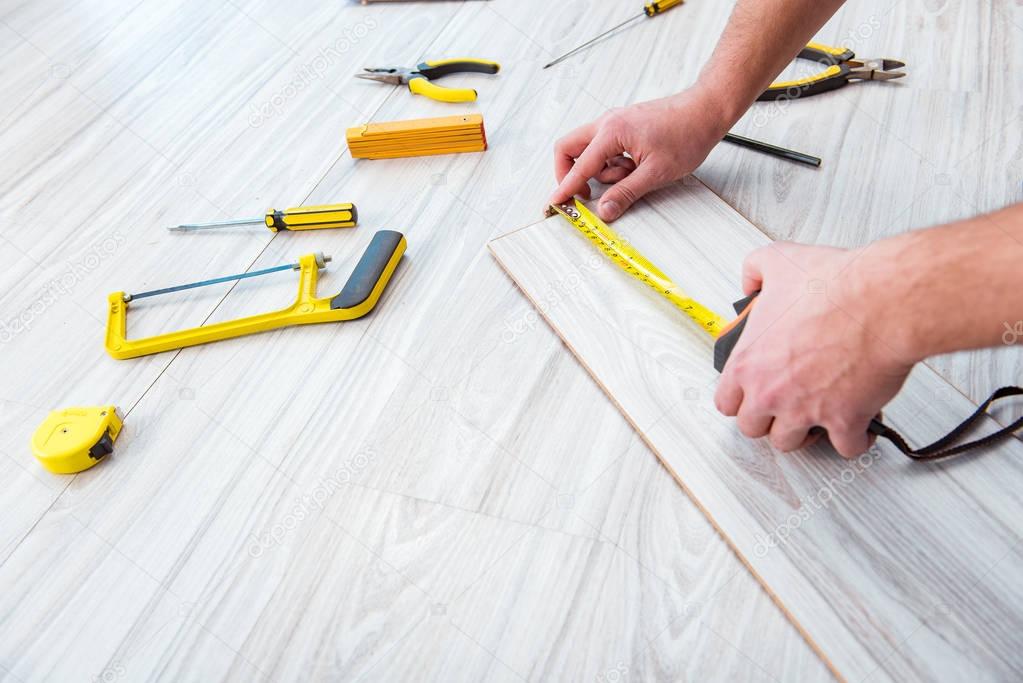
(753,425)
(622,161)
(812,437)
(589,163)
(752,270)
(616,170)
(728,396)
(571,146)
(850,441)
(625,193)
(613,174)
(787,436)
(729,401)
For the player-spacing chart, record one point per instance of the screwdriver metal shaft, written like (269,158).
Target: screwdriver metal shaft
(185,227)
(651,9)
(592,41)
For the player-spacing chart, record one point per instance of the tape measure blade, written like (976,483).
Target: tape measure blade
(629,259)
(623,246)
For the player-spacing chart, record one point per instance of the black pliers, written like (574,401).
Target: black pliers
(841,67)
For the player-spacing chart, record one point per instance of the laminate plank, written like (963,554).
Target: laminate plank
(900,561)
(245,556)
(441,450)
(149,128)
(27,499)
(103,543)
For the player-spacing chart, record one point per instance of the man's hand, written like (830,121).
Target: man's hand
(637,149)
(818,349)
(645,146)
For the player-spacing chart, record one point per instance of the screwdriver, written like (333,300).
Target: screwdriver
(651,9)
(296,218)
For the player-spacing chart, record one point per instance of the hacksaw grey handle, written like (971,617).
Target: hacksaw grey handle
(372,272)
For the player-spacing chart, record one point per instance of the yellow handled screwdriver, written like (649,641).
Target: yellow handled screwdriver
(296,218)
(651,9)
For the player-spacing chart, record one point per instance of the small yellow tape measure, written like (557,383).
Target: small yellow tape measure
(637,265)
(72,440)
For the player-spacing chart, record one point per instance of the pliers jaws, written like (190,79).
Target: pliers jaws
(877,69)
(392,76)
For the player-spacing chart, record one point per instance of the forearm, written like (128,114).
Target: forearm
(948,288)
(649,144)
(761,38)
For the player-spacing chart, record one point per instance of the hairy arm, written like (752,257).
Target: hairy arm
(962,282)
(647,145)
(760,40)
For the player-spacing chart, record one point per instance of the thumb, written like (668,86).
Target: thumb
(627,192)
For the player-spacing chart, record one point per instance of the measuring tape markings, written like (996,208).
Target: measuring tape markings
(727,334)
(635,264)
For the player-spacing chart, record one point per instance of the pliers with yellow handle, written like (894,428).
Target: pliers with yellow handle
(419,79)
(841,67)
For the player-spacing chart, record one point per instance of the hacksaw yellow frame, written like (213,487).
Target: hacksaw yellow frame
(358,297)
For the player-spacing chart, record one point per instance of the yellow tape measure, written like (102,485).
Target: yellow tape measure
(71,440)
(637,265)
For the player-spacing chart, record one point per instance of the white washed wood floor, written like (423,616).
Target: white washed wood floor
(438,491)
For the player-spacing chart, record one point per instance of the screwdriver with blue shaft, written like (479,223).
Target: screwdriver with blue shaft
(651,9)
(296,218)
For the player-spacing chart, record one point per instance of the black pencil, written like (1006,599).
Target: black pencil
(773,150)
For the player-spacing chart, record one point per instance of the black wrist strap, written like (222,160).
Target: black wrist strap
(943,447)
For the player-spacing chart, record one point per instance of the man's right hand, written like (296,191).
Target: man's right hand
(637,149)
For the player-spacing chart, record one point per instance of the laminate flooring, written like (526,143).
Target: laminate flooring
(436,491)
(894,569)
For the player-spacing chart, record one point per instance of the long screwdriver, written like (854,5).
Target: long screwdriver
(651,9)
(296,218)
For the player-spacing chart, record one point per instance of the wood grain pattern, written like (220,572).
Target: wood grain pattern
(72,239)
(894,570)
(472,505)
(408,495)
